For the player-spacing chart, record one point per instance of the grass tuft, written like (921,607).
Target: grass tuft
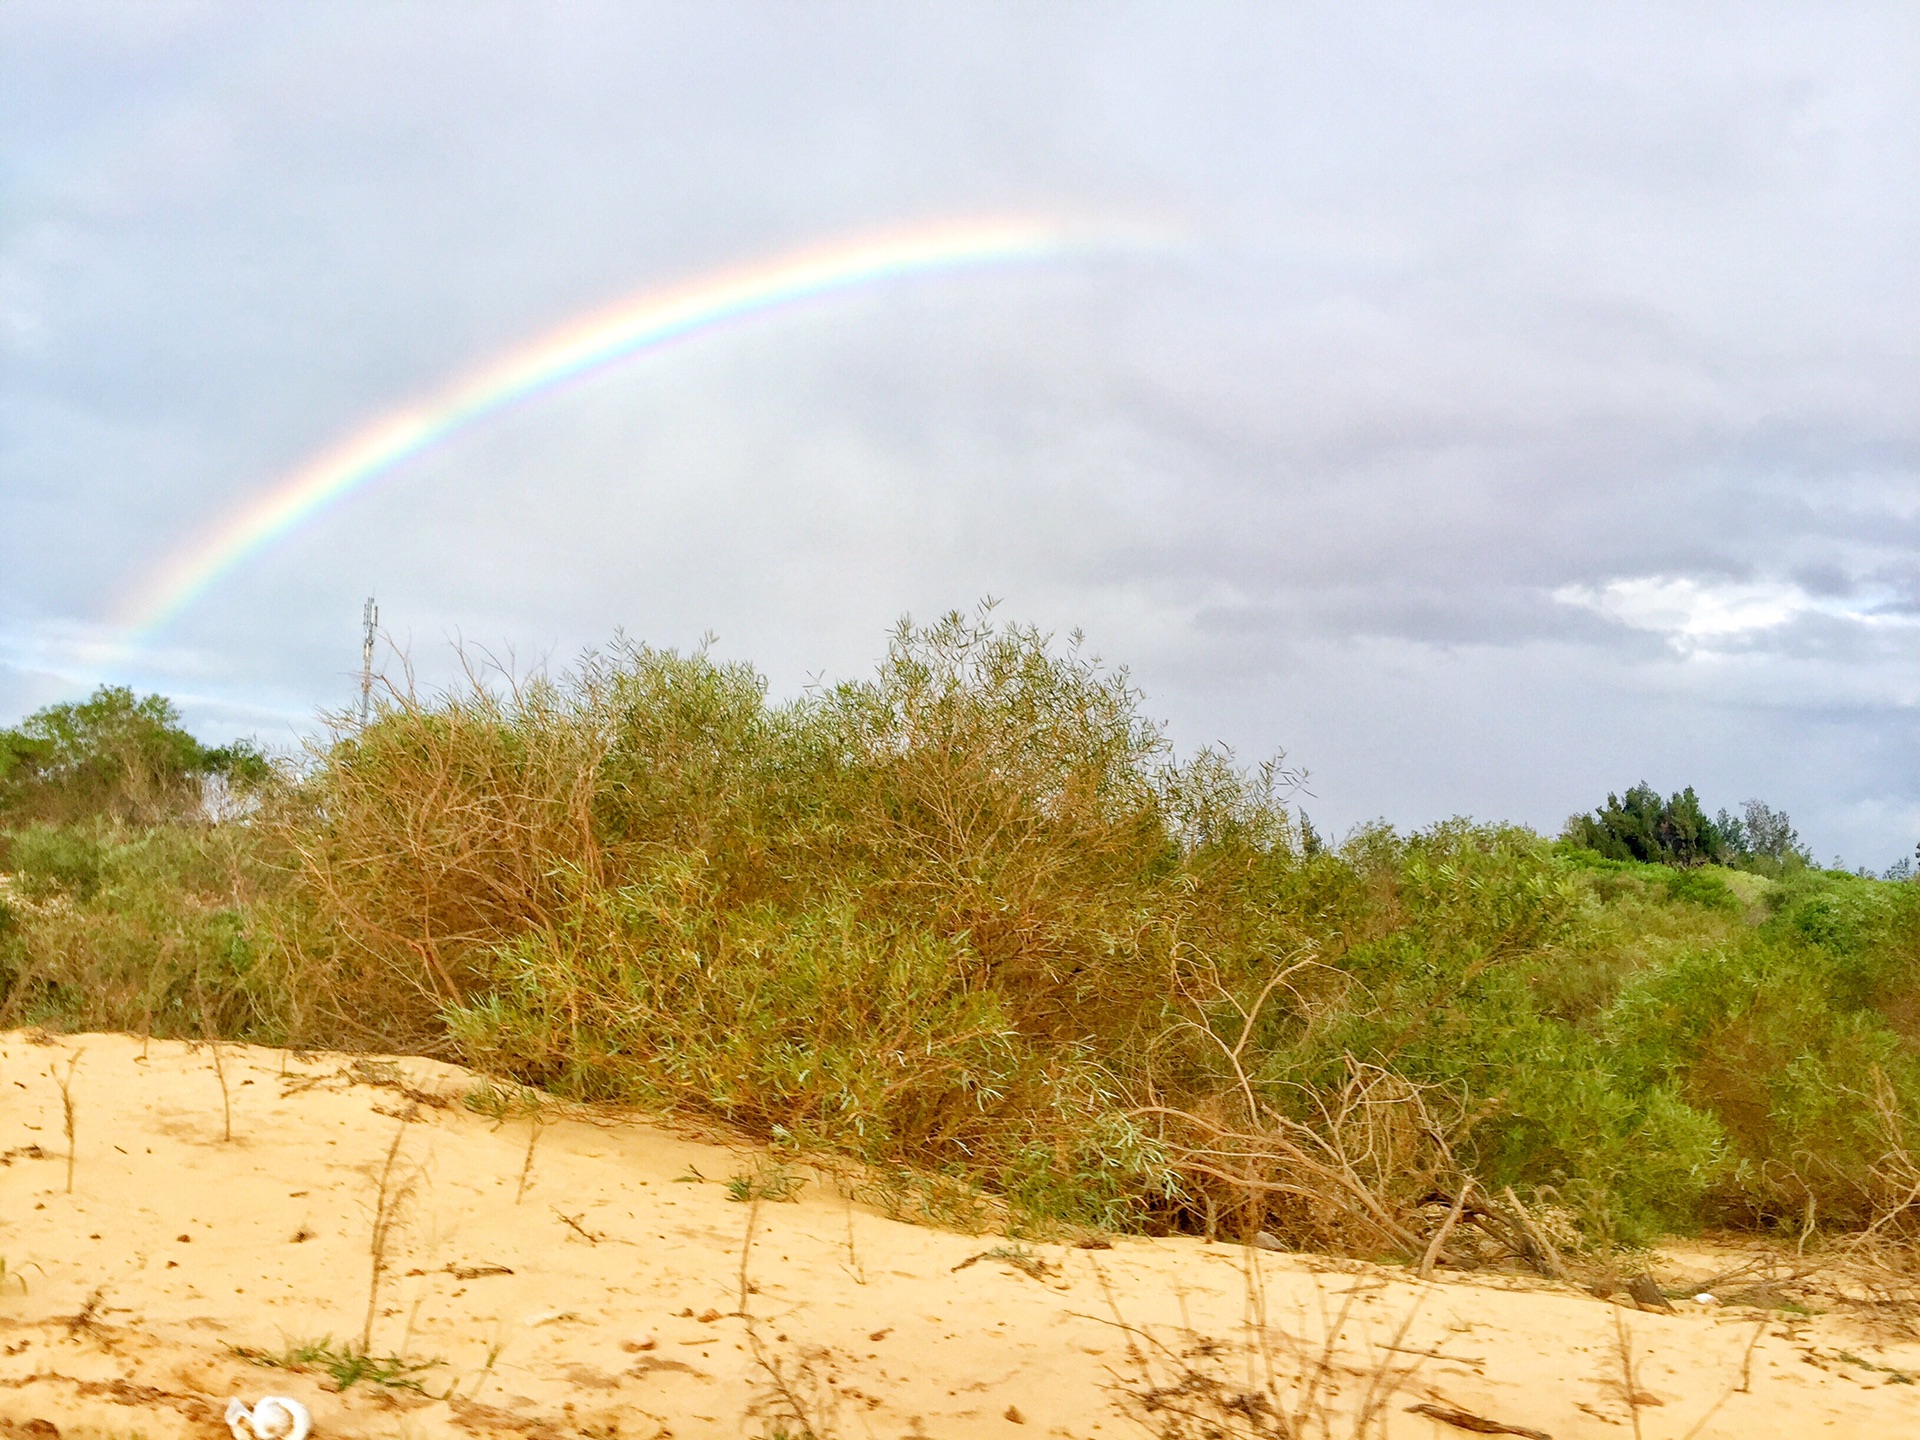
(769,1180)
(346,1364)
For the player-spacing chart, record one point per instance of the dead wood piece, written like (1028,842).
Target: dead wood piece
(1436,1247)
(123,1392)
(1548,1260)
(1514,1231)
(1647,1295)
(1031,1266)
(649,1365)
(1438,1355)
(384,1075)
(1479,1424)
(476,1272)
(478,1419)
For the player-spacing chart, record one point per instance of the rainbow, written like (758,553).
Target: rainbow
(631,327)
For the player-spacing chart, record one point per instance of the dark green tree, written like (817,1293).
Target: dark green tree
(1642,826)
(112,756)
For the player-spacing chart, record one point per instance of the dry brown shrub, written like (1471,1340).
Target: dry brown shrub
(1346,1167)
(1353,1178)
(438,831)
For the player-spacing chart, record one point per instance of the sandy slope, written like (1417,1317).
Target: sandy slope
(176,1246)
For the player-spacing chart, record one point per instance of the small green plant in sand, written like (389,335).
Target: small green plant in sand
(500,1102)
(346,1364)
(768,1180)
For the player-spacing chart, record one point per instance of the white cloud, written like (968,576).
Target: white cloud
(1696,614)
(62,659)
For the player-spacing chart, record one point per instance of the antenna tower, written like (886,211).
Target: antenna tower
(370,620)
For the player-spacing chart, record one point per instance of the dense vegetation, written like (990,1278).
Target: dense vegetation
(116,758)
(973,923)
(1677,832)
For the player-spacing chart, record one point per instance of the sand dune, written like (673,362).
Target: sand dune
(602,1297)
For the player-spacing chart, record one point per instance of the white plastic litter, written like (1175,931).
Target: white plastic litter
(1706,1297)
(274,1418)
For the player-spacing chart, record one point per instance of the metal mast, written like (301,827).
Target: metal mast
(370,620)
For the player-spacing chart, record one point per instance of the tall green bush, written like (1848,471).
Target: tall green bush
(112,757)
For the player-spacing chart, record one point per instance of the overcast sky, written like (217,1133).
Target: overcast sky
(1523,405)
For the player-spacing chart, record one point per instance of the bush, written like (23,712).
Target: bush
(971,916)
(971,921)
(113,757)
(812,1030)
(177,929)
(48,860)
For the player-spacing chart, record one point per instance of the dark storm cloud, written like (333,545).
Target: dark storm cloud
(1525,408)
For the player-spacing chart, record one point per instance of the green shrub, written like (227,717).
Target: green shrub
(971,921)
(971,917)
(48,860)
(1785,1037)
(1701,887)
(114,757)
(174,929)
(812,1030)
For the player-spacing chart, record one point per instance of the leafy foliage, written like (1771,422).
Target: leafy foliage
(163,931)
(1763,839)
(112,757)
(971,921)
(1641,826)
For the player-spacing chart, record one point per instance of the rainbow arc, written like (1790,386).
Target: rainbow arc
(632,327)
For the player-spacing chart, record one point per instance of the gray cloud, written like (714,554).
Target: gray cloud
(1475,311)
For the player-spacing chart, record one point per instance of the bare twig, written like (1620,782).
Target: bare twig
(1629,1382)
(1545,1257)
(227,1103)
(1478,1424)
(1191,1392)
(852,1266)
(389,1213)
(1739,1387)
(1746,1358)
(807,1418)
(1287,1145)
(65,1082)
(536,1121)
(219,1065)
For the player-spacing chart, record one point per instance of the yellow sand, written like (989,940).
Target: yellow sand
(123,1302)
